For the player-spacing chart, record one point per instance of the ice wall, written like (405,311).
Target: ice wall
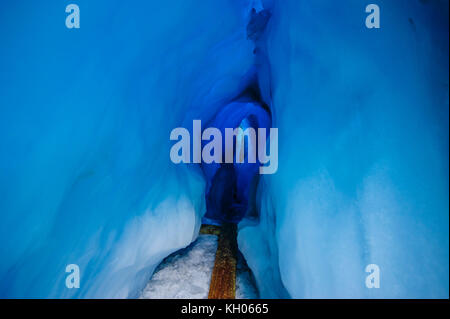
(363,153)
(85,119)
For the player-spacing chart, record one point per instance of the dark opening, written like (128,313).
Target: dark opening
(230,185)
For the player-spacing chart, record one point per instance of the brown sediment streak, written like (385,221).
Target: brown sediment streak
(223,279)
(210,230)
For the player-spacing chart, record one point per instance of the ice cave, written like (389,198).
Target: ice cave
(361,175)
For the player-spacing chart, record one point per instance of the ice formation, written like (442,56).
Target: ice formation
(186,274)
(363,175)
(86,114)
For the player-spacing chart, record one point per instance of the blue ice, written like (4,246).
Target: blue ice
(85,118)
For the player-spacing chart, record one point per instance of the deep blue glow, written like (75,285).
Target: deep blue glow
(244,114)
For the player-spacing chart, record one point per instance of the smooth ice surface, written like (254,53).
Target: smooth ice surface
(85,120)
(245,282)
(363,158)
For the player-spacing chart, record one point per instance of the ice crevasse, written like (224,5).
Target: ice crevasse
(362,114)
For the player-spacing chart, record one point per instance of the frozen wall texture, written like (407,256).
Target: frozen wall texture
(85,119)
(363,153)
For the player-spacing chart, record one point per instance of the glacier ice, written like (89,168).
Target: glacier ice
(85,118)
(363,173)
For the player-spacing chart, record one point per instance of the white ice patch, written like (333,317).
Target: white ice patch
(186,274)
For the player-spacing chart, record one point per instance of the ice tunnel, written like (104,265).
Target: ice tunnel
(237,179)
(362,116)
